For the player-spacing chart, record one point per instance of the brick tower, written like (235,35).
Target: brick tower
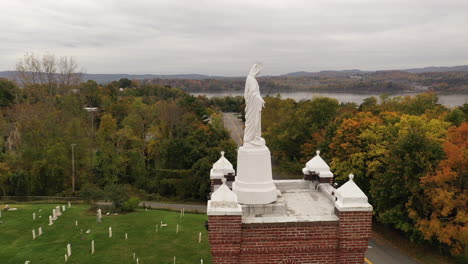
(310,222)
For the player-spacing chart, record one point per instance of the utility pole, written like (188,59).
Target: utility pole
(73,168)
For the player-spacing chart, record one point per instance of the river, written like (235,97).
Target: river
(450,100)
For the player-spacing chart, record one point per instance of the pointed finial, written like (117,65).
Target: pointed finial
(223,180)
(351,177)
(222,153)
(318,152)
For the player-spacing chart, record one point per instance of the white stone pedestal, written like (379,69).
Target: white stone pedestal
(254,181)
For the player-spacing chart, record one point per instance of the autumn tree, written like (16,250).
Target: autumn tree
(396,191)
(47,74)
(446,191)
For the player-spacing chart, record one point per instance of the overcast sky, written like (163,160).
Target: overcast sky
(221,37)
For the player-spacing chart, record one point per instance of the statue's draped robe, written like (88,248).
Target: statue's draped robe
(254,103)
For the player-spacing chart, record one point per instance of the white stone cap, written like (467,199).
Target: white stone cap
(221,168)
(351,198)
(224,202)
(319,166)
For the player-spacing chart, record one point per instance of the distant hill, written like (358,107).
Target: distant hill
(106,78)
(438,69)
(323,73)
(332,73)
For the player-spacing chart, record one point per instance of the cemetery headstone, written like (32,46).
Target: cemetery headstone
(34,234)
(99,215)
(68,249)
(50,220)
(58,213)
(39,231)
(110,231)
(34,216)
(92,247)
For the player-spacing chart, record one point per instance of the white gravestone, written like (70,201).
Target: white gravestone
(126,236)
(199,237)
(133,255)
(137,260)
(69,204)
(34,216)
(39,231)
(66,258)
(68,249)
(34,234)
(63,208)
(174,259)
(177,229)
(50,220)
(99,215)
(92,247)
(110,231)
(254,181)
(58,211)
(54,215)
(76,222)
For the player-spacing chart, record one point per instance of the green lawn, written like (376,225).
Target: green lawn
(17,246)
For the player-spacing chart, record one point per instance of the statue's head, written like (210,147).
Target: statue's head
(256,69)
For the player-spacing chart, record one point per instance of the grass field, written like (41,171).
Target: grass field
(17,245)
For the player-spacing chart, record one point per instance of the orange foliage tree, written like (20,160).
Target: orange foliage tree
(447,194)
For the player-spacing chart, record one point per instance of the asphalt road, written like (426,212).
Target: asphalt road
(235,127)
(379,252)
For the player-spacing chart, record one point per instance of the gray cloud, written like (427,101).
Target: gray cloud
(224,37)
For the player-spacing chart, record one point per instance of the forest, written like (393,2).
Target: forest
(408,154)
(63,136)
(144,140)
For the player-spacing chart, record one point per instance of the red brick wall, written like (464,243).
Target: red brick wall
(314,242)
(354,233)
(302,242)
(224,234)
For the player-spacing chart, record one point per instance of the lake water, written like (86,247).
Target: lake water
(450,100)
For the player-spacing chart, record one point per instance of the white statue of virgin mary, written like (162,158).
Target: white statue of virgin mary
(253,109)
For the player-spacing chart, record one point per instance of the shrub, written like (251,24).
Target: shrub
(91,193)
(117,194)
(131,204)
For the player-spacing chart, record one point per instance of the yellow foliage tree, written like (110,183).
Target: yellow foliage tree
(447,194)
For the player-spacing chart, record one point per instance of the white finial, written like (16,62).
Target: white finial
(318,152)
(222,153)
(351,177)
(223,180)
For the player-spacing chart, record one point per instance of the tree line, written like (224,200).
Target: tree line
(408,154)
(126,137)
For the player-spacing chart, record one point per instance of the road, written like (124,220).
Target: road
(379,252)
(235,127)
(186,207)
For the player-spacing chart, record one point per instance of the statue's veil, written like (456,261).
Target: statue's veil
(256,69)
